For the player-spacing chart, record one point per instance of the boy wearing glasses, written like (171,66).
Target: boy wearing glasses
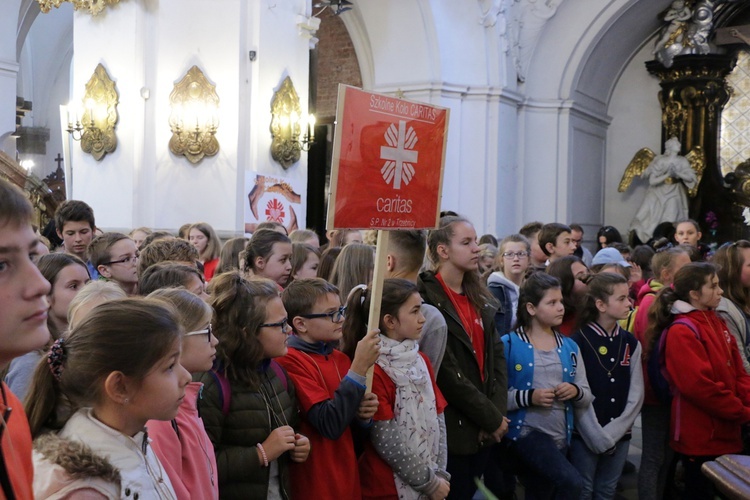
(23,328)
(115,257)
(74,223)
(329,388)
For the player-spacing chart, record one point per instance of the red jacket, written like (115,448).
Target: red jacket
(16,445)
(711,388)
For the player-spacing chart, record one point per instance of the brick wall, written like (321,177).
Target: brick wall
(336,63)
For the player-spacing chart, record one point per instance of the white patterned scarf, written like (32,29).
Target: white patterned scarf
(415,409)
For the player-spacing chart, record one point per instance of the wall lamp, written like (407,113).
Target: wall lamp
(194,117)
(291,131)
(93,123)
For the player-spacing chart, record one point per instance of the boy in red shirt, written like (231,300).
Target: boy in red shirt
(330,389)
(23,328)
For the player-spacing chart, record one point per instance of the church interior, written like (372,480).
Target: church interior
(158,113)
(549,100)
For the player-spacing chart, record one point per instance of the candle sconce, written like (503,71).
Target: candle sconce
(291,131)
(194,117)
(93,122)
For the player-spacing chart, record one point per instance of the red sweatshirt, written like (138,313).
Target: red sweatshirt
(712,390)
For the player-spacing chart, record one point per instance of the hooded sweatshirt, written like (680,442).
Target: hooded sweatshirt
(711,389)
(506,292)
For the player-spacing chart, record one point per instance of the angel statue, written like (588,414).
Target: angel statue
(671,178)
(673,36)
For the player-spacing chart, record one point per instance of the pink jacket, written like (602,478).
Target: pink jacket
(186,452)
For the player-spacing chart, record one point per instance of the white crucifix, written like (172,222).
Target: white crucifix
(399,154)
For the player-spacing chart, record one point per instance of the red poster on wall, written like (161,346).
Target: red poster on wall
(388,160)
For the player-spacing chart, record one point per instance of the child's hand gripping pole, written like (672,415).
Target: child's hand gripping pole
(376,293)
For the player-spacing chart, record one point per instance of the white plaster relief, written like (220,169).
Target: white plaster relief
(519,24)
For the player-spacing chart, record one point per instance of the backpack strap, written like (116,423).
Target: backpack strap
(280,373)
(225,391)
(663,368)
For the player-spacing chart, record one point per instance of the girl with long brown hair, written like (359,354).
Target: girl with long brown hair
(248,406)
(472,376)
(710,388)
(733,262)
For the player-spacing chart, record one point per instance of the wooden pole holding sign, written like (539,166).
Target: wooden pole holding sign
(376,289)
(386,172)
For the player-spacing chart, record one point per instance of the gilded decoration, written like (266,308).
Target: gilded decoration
(674,118)
(92,6)
(285,105)
(99,115)
(194,117)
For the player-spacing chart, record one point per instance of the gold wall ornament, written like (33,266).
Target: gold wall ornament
(93,6)
(194,117)
(94,123)
(290,130)
(674,117)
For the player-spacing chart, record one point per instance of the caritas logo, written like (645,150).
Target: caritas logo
(275,211)
(400,155)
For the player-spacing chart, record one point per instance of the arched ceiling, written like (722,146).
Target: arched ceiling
(582,53)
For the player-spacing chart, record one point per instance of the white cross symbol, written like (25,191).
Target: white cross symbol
(399,154)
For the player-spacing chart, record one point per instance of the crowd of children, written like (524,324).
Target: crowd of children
(155,366)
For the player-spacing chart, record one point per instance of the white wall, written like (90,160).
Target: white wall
(44,79)
(148,47)
(8,70)
(515,152)
(636,124)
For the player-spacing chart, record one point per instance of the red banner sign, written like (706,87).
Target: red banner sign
(388,159)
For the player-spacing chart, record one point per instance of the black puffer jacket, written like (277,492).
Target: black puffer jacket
(248,422)
(473,404)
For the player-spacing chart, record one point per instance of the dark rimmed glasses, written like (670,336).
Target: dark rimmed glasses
(336,316)
(283,324)
(126,260)
(208,331)
(513,255)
